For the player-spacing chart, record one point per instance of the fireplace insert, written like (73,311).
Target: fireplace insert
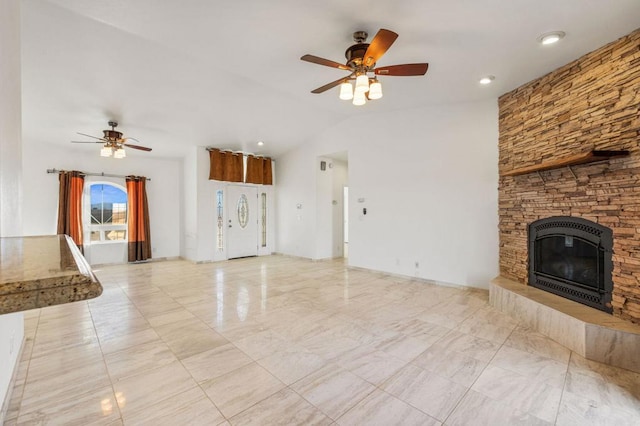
(571,257)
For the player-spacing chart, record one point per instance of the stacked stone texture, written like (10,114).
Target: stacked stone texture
(591,103)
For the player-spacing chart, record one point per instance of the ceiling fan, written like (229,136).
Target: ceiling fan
(113,142)
(361,63)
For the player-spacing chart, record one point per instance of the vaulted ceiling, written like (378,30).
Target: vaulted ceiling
(227,73)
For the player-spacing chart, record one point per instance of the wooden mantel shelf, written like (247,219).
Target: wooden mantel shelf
(572,160)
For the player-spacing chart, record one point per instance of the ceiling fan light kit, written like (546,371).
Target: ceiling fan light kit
(106,151)
(346,91)
(362,84)
(361,62)
(359,99)
(119,153)
(375,89)
(113,142)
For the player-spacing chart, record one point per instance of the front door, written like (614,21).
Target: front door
(242,221)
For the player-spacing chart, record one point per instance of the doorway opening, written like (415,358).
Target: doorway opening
(332,210)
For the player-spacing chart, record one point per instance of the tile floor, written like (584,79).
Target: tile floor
(278,340)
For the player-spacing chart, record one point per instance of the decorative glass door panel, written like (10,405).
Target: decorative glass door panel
(242,221)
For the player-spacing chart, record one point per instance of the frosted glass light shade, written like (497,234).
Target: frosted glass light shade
(119,153)
(359,98)
(375,90)
(346,91)
(105,151)
(362,84)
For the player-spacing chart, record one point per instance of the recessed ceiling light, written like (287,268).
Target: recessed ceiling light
(260,143)
(551,38)
(487,79)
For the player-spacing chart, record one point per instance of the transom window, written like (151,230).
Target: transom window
(108,213)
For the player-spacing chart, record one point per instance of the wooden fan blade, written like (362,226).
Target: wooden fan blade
(325,62)
(403,70)
(87,141)
(141,148)
(89,136)
(379,45)
(328,86)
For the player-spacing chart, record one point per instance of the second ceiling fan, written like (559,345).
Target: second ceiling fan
(113,142)
(361,63)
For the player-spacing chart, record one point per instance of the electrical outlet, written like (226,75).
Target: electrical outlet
(417,264)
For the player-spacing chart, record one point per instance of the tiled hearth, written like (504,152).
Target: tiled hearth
(589,332)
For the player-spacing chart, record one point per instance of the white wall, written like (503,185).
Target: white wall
(10,120)
(296,203)
(11,325)
(40,208)
(189,206)
(429,181)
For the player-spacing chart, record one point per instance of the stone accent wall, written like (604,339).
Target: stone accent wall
(590,103)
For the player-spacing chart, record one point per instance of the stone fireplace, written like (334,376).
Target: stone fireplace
(549,129)
(590,104)
(571,257)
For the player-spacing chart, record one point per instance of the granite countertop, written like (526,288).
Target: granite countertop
(43,271)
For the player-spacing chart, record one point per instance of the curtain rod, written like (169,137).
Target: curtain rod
(93,174)
(210,148)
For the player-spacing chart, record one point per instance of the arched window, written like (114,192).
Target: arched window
(108,213)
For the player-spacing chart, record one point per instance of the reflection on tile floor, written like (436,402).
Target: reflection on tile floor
(278,340)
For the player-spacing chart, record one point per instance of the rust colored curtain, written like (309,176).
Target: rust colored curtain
(225,166)
(216,160)
(234,167)
(70,205)
(267,173)
(255,170)
(259,170)
(138,219)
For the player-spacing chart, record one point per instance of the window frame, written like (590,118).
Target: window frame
(91,227)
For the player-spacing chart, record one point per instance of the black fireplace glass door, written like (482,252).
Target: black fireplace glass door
(569,258)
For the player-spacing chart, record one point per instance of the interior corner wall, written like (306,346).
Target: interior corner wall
(11,325)
(40,189)
(428,178)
